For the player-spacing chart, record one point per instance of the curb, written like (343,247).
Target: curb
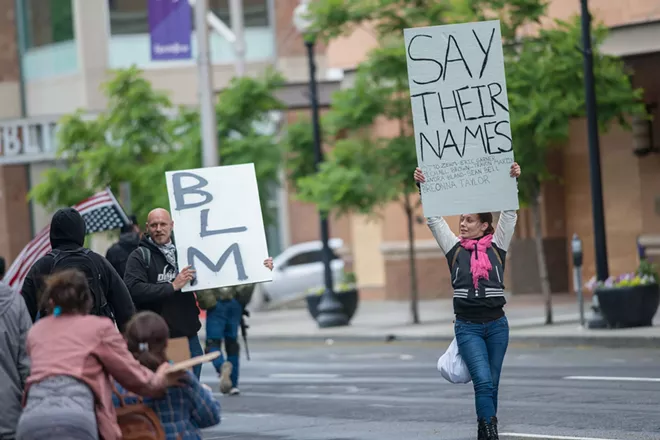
(540,341)
(512,436)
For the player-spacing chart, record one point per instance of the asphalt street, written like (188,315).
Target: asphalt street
(379,391)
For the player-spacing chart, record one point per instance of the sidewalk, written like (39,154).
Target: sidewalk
(387,320)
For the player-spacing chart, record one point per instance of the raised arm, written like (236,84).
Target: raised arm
(113,353)
(442,232)
(506,226)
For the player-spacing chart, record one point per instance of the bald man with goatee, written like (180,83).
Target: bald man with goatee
(155,281)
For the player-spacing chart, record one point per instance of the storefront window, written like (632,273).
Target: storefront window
(48,38)
(129,29)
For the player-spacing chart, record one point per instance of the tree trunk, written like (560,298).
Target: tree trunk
(540,258)
(414,294)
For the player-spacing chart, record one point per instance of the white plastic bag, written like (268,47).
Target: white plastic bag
(452,367)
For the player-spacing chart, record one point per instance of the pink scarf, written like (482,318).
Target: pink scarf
(479,261)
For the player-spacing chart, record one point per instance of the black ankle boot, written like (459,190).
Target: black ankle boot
(493,421)
(489,429)
(481,434)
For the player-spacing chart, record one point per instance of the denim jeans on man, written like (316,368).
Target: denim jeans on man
(482,347)
(196,350)
(222,323)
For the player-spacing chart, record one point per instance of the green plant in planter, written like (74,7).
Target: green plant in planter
(648,269)
(348,284)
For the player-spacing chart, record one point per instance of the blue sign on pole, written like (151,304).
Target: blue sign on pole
(170,26)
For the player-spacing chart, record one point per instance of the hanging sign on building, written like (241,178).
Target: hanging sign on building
(170,28)
(218,225)
(461,118)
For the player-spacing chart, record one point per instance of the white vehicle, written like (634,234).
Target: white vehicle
(298,269)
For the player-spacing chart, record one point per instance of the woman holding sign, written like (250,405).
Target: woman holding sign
(476,261)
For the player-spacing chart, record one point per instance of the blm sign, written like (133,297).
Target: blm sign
(461,118)
(218,225)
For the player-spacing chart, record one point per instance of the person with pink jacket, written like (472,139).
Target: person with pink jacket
(68,394)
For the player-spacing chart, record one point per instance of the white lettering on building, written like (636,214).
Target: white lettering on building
(25,139)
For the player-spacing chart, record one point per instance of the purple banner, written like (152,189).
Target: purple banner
(170,26)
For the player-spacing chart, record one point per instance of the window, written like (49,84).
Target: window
(130,42)
(132,16)
(47,22)
(47,38)
(310,257)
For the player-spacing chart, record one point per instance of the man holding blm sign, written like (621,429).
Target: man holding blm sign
(221,237)
(216,219)
(466,167)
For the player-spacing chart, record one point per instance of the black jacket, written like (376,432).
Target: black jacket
(485,303)
(118,253)
(152,289)
(67,232)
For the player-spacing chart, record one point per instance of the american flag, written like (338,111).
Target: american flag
(101,212)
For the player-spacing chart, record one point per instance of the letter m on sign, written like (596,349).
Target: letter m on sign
(216,267)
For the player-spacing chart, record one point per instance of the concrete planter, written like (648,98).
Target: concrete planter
(630,306)
(348,298)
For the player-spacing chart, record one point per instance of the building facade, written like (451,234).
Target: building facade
(54,59)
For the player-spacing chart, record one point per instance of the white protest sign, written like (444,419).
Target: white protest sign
(461,118)
(218,227)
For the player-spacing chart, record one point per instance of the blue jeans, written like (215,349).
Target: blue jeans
(195,350)
(222,323)
(482,347)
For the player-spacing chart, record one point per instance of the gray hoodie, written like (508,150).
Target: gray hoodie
(15,322)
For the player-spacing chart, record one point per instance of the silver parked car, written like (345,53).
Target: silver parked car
(298,269)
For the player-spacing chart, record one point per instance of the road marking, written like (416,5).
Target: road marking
(614,378)
(304,376)
(548,437)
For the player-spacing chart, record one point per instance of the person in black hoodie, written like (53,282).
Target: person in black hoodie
(67,234)
(129,240)
(155,282)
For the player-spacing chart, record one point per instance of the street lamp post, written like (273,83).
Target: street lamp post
(210,156)
(330,311)
(600,243)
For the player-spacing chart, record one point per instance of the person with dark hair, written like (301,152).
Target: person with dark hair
(155,281)
(129,239)
(15,323)
(476,261)
(73,356)
(184,409)
(110,297)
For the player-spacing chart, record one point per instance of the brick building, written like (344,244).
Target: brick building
(54,58)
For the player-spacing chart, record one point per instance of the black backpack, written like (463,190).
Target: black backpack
(80,259)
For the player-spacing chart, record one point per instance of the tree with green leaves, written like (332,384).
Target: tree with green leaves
(545,82)
(363,172)
(545,89)
(141,134)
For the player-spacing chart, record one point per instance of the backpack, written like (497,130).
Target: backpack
(146,255)
(137,421)
(80,259)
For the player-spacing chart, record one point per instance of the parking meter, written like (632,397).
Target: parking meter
(576,248)
(641,250)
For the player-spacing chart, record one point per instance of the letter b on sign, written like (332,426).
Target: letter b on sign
(186,197)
